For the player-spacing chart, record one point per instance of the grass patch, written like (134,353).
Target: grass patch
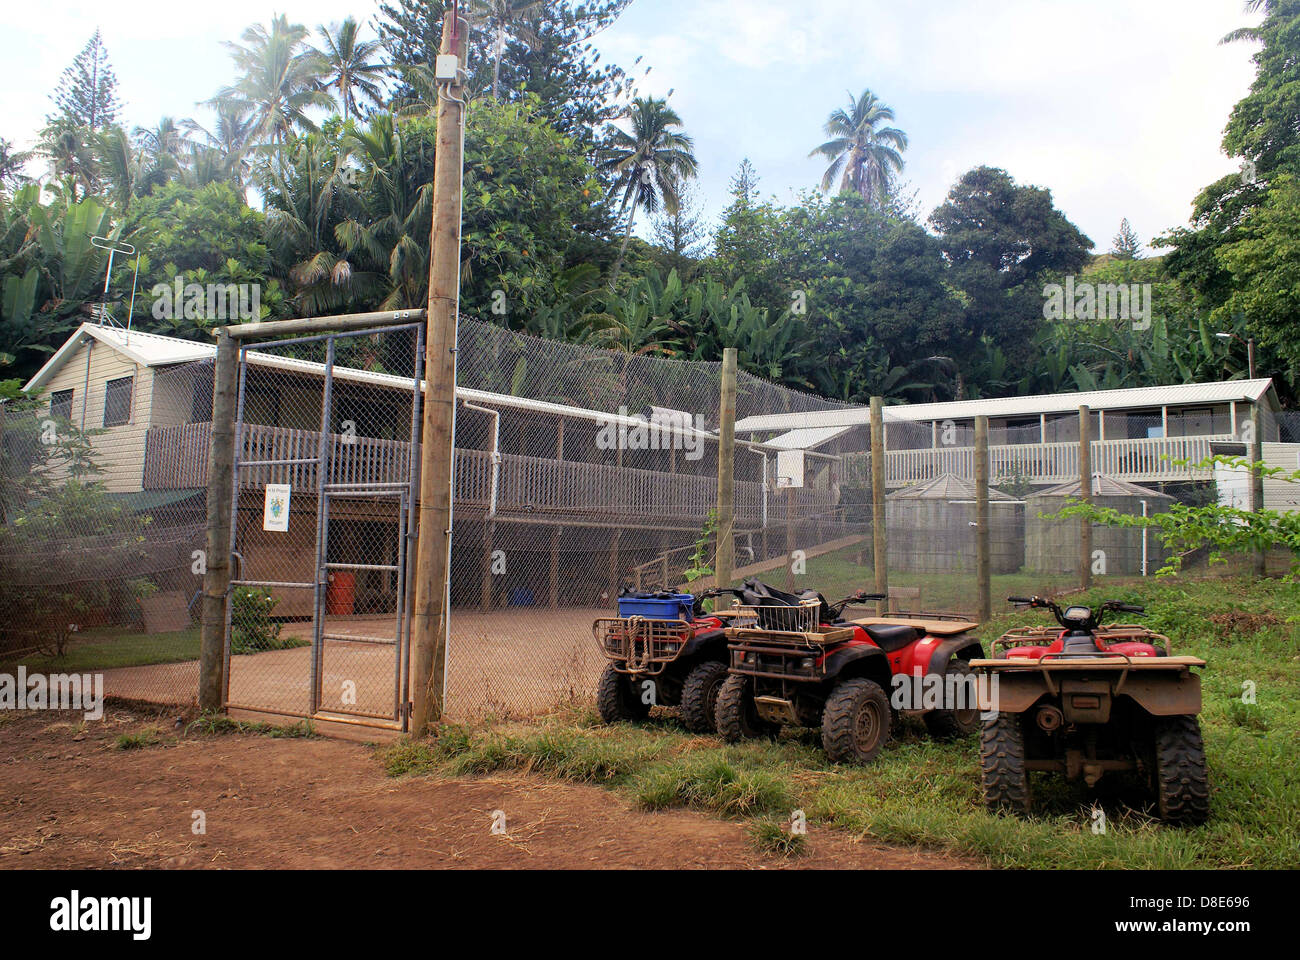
(148,737)
(926,793)
(104,649)
(777,839)
(218,724)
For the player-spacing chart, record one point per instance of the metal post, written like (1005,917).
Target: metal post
(432,591)
(726,561)
(221,479)
(1260,560)
(983,534)
(879,538)
(1085,494)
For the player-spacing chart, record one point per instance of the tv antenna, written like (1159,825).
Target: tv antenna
(114,247)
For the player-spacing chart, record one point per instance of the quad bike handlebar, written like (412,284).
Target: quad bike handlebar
(1089,622)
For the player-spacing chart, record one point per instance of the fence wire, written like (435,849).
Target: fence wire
(579,473)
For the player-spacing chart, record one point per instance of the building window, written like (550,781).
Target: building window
(61,405)
(117,401)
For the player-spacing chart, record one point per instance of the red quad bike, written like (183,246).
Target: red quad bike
(1086,699)
(668,652)
(801,663)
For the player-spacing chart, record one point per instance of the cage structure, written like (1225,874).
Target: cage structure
(932,528)
(1052,545)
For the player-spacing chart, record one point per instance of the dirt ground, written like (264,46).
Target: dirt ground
(509,662)
(70,798)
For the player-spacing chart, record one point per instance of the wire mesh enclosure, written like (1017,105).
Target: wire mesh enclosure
(579,473)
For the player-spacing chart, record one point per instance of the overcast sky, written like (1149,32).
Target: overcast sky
(1117,106)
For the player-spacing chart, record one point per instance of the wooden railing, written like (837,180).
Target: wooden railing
(176,458)
(1141,460)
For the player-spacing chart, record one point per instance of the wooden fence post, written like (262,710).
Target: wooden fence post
(221,486)
(726,559)
(879,536)
(1085,494)
(983,533)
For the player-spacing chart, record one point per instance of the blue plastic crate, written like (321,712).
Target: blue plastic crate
(661,606)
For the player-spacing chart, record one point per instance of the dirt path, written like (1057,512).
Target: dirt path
(70,798)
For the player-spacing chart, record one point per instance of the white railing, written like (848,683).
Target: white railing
(1142,460)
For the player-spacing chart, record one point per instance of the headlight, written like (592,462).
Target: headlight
(807,663)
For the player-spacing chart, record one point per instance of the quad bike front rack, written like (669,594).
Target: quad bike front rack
(641,645)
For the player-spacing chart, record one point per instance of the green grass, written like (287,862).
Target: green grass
(776,839)
(105,648)
(216,724)
(926,793)
(147,737)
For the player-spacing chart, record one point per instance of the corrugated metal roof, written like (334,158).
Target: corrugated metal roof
(1127,398)
(1103,487)
(154,350)
(806,439)
(945,487)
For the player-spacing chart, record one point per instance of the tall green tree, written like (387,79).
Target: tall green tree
(87,92)
(279,80)
(1001,240)
(647,162)
(864,155)
(1126,245)
(353,71)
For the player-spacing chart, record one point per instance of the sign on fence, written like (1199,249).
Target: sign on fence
(275,512)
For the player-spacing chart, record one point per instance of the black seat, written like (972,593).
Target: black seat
(890,636)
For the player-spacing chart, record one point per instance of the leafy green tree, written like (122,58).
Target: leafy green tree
(220,154)
(1263,131)
(864,156)
(647,163)
(51,273)
(1001,239)
(198,235)
(875,292)
(1263,261)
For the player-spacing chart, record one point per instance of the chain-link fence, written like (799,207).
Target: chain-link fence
(579,473)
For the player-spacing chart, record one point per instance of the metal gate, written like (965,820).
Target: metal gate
(325,479)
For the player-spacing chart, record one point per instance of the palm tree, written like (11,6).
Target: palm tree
(647,163)
(162,151)
(70,150)
(222,152)
(866,154)
(280,80)
(500,15)
(1249,33)
(350,67)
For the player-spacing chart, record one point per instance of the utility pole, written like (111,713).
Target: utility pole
(430,622)
(726,561)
